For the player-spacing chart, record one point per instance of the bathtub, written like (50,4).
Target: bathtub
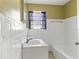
(59,54)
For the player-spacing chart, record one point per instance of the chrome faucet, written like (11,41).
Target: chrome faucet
(29,36)
(28,39)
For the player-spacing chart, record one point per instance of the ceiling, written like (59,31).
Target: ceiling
(49,2)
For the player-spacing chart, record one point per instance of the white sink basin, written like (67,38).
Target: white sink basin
(35,43)
(35,49)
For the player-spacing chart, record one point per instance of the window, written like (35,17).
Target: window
(37,20)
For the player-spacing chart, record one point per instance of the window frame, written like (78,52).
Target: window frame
(42,21)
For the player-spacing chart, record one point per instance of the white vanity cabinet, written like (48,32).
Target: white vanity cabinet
(35,51)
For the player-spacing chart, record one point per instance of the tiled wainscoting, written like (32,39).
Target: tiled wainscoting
(55,35)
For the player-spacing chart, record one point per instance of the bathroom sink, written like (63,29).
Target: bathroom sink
(35,43)
(35,49)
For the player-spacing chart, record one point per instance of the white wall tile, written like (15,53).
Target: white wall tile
(71,37)
(53,35)
(59,33)
(1,18)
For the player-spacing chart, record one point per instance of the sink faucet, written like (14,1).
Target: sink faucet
(28,39)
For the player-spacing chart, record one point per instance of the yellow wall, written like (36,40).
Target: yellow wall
(56,11)
(7,4)
(1,5)
(21,10)
(53,11)
(71,9)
